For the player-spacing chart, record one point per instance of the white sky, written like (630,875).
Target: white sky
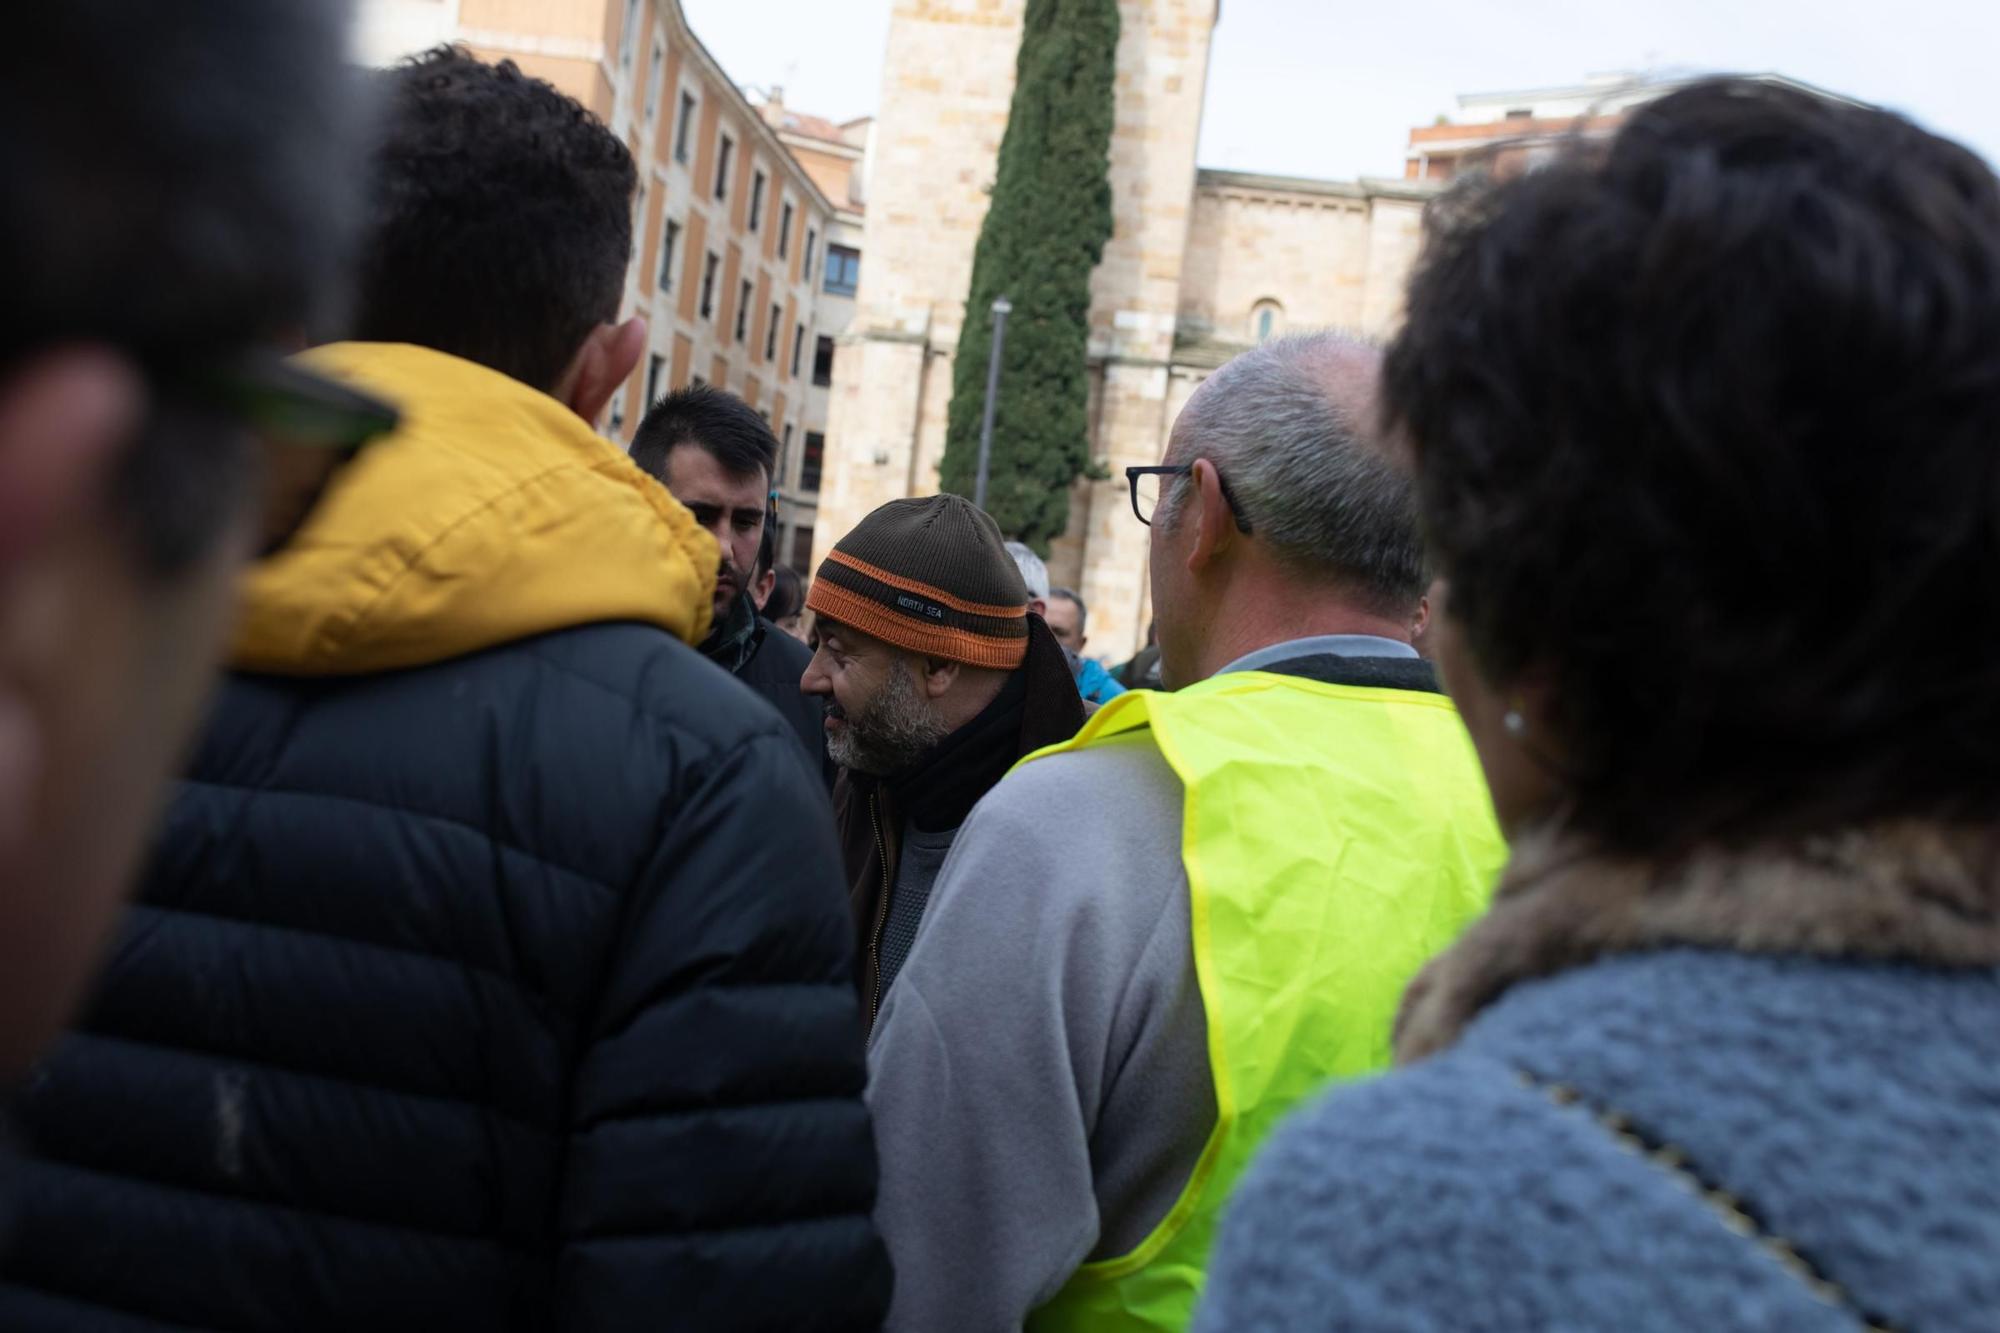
(1331,88)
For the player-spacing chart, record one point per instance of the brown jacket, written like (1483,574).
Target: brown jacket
(1039,707)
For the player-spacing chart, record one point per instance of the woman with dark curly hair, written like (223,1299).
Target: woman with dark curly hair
(1708,428)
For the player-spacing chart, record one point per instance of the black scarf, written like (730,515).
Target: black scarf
(1038,706)
(733,638)
(946,783)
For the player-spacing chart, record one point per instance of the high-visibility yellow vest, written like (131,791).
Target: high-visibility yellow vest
(1336,838)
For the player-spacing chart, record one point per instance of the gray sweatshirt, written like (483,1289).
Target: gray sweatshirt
(1039,1074)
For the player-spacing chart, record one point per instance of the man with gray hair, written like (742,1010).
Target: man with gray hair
(1093,682)
(1101,1018)
(1034,573)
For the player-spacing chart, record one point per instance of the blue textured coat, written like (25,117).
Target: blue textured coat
(1851,1110)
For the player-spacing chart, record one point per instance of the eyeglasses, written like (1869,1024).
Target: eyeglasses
(307,425)
(1148,482)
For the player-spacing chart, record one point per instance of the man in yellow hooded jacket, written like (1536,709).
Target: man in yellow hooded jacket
(492,968)
(1151,942)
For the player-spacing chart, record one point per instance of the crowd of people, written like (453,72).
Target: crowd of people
(526,929)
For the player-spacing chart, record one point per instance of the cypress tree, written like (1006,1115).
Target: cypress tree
(1043,234)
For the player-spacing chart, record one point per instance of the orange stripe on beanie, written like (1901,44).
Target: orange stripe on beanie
(932,576)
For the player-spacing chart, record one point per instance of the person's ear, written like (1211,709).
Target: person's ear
(938,676)
(1036,606)
(609,354)
(760,591)
(65,419)
(1214,522)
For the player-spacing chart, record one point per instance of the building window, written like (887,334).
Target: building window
(670,239)
(655,367)
(1267,318)
(722,167)
(771,333)
(653,75)
(1520,113)
(798,348)
(784,450)
(813,461)
(785,231)
(697,382)
(743,312)
(618,412)
(823,361)
(684,129)
(812,238)
(639,209)
(627,33)
(756,200)
(802,547)
(708,267)
(843,269)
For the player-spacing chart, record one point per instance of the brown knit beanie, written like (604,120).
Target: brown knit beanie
(932,576)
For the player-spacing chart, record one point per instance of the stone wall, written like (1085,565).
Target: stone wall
(1188,262)
(1305,253)
(1162,73)
(1324,254)
(1395,235)
(948,79)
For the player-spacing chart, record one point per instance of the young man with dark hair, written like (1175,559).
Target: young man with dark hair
(149,437)
(718,456)
(492,969)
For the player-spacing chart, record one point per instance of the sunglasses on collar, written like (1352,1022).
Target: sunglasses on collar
(308,426)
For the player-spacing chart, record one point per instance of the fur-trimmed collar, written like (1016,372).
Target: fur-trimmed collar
(1909,891)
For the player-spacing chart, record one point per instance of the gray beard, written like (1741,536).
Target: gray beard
(892,733)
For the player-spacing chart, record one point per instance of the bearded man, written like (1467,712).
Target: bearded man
(937,679)
(718,457)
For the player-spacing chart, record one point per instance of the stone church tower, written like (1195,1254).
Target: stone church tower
(1187,250)
(948,80)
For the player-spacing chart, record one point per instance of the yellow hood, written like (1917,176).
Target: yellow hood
(491,514)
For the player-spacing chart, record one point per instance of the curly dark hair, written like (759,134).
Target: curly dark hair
(501,218)
(1708,431)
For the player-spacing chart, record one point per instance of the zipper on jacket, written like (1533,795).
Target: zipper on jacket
(881,914)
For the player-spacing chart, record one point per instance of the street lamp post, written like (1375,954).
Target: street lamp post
(1001,309)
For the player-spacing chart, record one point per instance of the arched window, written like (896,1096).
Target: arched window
(1267,319)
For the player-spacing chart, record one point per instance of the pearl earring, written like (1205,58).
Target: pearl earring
(1515,723)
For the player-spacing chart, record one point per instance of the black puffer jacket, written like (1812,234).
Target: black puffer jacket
(421,1023)
(507,992)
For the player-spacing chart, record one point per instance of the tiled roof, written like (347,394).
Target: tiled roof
(811,127)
